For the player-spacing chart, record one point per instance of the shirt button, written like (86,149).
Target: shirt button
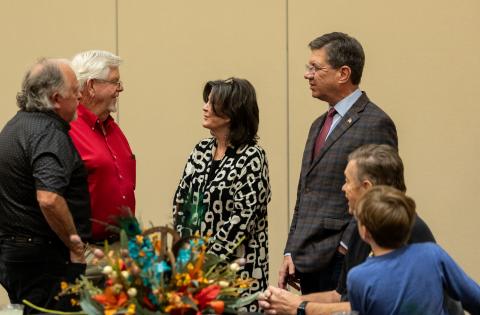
(93,128)
(120,176)
(124,197)
(114,157)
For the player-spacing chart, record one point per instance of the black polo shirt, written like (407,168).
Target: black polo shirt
(358,251)
(36,153)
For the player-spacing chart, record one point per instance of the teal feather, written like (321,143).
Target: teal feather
(130,225)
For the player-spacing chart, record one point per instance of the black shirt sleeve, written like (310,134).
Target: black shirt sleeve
(421,232)
(52,162)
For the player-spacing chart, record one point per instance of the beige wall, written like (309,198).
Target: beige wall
(422,68)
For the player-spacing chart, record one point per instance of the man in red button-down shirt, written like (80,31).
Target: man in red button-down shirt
(102,145)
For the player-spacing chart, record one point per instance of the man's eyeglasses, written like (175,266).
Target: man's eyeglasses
(314,68)
(118,83)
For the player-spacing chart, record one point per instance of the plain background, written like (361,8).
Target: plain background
(422,67)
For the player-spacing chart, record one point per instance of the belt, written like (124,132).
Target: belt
(38,240)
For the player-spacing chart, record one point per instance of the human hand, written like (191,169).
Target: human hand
(77,249)
(279,301)
(286,275)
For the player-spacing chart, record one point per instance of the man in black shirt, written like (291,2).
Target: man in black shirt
(44,201)
(367,166)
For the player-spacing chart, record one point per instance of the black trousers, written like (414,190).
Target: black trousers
(322,280)
(33,270)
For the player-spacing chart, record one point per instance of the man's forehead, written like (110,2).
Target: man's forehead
(319,56)
(351,168)
(352,163)
(113,71)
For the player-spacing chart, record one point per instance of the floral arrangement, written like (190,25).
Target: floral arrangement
(145,276)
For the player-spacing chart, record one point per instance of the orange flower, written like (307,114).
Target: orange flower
(158,246)
(198,264)
(63,285)
(111,300)
(218,306)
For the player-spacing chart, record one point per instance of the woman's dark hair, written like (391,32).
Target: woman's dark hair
(236,99)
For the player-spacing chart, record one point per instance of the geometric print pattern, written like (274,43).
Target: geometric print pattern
(235,198)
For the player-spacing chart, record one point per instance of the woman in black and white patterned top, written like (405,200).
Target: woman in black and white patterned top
(225,186)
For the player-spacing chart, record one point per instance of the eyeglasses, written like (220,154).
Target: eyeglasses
(118,83)
(314,68)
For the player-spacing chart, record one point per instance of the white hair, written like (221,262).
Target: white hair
(94,64)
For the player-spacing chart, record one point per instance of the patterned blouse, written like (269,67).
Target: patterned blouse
(230,202)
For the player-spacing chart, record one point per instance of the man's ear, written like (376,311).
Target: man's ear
(55,100)
(367,184)
(89,88)
(344,74)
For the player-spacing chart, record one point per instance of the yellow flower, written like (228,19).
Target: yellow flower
(131,309)
(63,285)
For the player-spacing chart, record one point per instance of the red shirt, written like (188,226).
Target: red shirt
(110,164)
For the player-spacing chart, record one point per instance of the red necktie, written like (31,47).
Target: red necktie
(322,135)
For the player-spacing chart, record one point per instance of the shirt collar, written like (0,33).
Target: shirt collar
(90,118)
(65,125)
(345,104)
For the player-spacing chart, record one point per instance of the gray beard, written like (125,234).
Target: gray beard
(112,108)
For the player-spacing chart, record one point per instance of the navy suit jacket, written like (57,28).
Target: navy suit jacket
(321,210)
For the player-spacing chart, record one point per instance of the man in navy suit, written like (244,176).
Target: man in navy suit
(320,227)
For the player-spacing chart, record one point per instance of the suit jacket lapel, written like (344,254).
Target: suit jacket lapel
(343,125)
(310,146)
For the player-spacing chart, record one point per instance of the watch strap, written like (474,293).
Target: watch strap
(301,308)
